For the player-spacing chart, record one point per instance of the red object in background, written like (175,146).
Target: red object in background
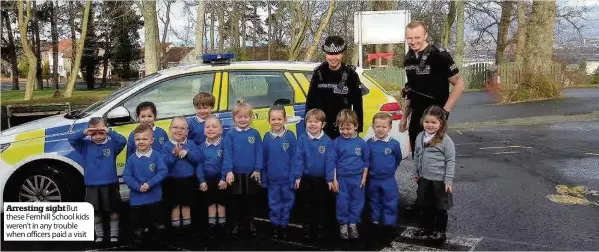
(385,55)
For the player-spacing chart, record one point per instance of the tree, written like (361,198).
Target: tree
(299,25)
(521,34)
(11,50)
(38,56)
(199,45)
(54,31)
(90,59)
(450,18)
(151,46)
(23,20)
(80,44)
(502,32)
(123,24)
(459,54)
(539,49)
(323,24)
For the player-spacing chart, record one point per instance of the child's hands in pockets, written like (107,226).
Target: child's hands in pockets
(145,187)
(230,178)
(297,184)
(448,188)
(203,187)
(222,185)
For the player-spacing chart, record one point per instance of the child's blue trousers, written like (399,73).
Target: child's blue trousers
(350,199)
(280,201)
(383,196)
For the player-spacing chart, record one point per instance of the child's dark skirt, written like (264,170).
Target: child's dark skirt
(214,195)
(104,198)
(180,191)
(243,184)
(432,194)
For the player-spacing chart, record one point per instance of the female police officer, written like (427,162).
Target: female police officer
(335,86)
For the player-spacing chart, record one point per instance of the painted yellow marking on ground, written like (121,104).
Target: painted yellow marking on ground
(573,195)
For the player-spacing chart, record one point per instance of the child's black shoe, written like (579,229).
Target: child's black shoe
(439,238)
(423,234)
(284,232)
(276,232)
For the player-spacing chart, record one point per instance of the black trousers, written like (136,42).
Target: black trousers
(432,219)
(415,126)
(318,203)
(240,211)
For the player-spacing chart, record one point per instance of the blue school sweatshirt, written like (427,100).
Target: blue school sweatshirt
(351,155)
(243,151)
(385,156)
(279,151)
(314,157)
(181,167)
(160,138)
(196,130)
(147,168)
(212,163)
(99,167)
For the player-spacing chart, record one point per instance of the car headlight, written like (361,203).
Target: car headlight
(4,146)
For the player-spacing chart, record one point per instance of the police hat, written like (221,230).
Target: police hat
(333,45)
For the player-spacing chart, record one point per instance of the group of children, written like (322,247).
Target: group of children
(231,169)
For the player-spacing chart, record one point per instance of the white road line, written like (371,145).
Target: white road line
(584,129)
(592,154)
(469,242)
(290,224)
(459,132)
(505,152)
(504,147)
(473,143)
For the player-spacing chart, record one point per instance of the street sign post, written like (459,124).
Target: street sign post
(380,27)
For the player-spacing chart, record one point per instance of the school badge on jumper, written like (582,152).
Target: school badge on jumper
(285,146)
(388,151)
(219,153)
(152,167)
(161,140)
(321,149)
(106,152)
(251,140)
(359,151)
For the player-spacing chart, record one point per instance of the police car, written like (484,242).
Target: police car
(38,164)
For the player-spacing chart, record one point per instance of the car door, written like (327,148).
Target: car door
(172,97)
(261,89)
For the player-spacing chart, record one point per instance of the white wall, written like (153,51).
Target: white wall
(592,66)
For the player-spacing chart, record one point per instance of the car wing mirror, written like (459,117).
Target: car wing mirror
(118,115)
(282,102)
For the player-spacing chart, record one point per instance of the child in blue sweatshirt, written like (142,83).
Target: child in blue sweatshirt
(181,158)
(382,189)
(314,174)
(204,104)
(144,172)
(210,175)
(146,113)
(277,174)
(242,164)
(99,146)
(351,156)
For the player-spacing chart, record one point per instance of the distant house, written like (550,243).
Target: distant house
(174,56)
(65,59)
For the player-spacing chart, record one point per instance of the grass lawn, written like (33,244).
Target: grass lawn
(80,97)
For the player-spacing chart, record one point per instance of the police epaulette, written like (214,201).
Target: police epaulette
(439,47)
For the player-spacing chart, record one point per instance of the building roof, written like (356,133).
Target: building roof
(175,54)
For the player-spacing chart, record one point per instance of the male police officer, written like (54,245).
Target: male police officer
(430,69)
(335,86)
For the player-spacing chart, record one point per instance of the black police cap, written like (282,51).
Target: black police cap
(333,45)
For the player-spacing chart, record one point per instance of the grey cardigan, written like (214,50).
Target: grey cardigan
(435,162)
